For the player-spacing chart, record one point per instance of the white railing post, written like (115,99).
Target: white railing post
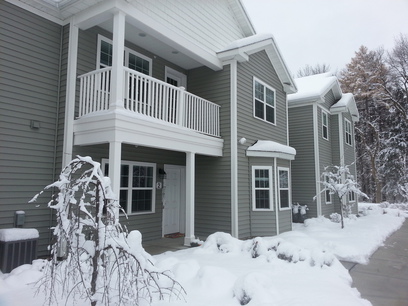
(181,101)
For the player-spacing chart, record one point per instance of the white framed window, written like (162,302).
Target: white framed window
(264,102)
(351,196)
(325,125)
(327,193)
(262,188)
(284,188)
(348,132)
(137,186)
(132,59)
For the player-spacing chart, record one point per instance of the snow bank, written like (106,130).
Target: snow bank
(360,237)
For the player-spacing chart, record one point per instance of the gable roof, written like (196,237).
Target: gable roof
(313,88)
(241,49)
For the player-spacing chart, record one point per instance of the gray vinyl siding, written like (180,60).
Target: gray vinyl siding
(262,223)
(329,100)
(301,137)
(150,225)
(325,158)
(30,56)
(213,174)
(259,66)
(335,142)
(285,216)
(349,154)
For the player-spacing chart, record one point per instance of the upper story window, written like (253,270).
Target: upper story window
(132,59)
(264,102)
(325,125)
(348,132)
(284,188)
(351,196)
(262,188)
(137,181)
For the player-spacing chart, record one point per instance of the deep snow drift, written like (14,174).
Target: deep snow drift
(300,267)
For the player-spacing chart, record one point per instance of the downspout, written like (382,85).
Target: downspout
(54,162)
(234,149)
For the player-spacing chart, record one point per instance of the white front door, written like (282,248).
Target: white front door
(174,199)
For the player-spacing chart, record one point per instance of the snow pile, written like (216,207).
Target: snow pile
(259,271)
(360,237)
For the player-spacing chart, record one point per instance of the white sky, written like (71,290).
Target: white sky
(328,31)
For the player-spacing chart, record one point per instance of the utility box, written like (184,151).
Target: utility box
(18,246)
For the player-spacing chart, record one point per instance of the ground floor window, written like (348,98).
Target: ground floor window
(137,181)
(327,193)
(262,188)
(352,196)
(284,188)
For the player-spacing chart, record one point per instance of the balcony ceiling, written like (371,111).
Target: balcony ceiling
(148,42)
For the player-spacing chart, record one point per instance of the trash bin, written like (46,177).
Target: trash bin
(18,246)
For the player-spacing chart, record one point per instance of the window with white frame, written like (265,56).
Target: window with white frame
(264,102)
(137,181)
(348,132)
(325,125)
(284,188)
(132,59)
(327,193)
(351,196)
(262,188)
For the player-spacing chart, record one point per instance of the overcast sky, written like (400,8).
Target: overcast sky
(328,31)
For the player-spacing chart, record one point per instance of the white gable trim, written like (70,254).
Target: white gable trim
(243,48)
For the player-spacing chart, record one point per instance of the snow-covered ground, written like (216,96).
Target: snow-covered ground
(300,267)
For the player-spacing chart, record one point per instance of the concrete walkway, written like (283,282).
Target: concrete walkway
(384,281)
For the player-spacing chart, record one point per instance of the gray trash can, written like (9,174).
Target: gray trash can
(18,246)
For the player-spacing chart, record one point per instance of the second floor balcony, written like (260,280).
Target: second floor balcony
(150,97)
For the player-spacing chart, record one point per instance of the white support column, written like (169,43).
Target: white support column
(190,195)
(234,149)
(115,157)
(70,94)
(118,49)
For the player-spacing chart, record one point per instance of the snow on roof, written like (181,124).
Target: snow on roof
(313,87)
(15,234)
(269,148)
(346,102)
(247,41)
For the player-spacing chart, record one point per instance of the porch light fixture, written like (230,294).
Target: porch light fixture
(162,174)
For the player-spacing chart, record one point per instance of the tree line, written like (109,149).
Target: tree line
(378,79)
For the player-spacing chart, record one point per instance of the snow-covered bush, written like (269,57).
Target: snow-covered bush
(268,249)
(335,217)
(102,262)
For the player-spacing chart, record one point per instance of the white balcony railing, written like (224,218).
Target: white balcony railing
(150,97)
